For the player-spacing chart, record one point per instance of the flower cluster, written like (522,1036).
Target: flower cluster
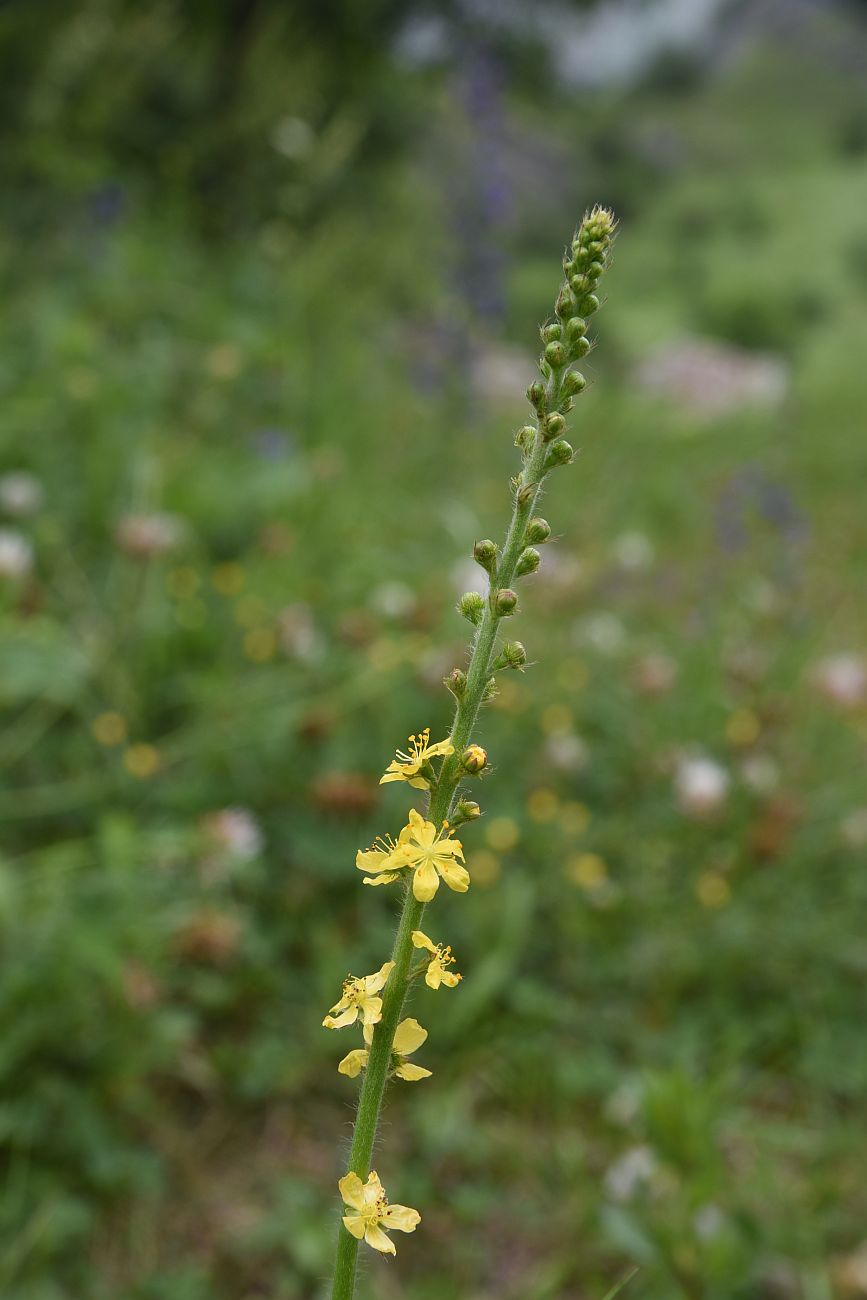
(423,854)
(427,851)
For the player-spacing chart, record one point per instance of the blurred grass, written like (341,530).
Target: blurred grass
(656,1056)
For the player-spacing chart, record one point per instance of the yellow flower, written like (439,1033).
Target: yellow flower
(407,767)
(372,1212)
(384,857)
(359,995)
(408,1038)
(437,973)
(431,854)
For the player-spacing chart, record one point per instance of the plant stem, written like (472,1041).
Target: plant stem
(442,798)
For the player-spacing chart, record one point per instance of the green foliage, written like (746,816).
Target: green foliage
(659,1055)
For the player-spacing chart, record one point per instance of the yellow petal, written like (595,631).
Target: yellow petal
(406,1070)
(401,1217)
(375,1237)
(433,976)
(425,882)
(391,773)
(337,1022)
(450,979)
(416,821)
(385,879)
(373,1189)
(353,1063)
(352,1190)
(456,877)
(418,782)
(354,1224)
(371,1009)
(372,860)
(420,940)
(441,747)
(367,1031)
(450,847)
(408,1037)
(373,983)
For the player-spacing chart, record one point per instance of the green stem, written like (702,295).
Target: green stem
(442,798)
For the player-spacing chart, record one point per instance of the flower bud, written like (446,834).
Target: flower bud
(576,327)
(506,601)
(512,655)
(551,333)
(554,425)
(559,453)
(590,304)
(485,554)
(456,682)
(525,437)
(566,304)
(595,269)
(538,531)
(573,382)
(474,759)
(595,247)
(537,397)
(555,354)
(467,810)
(528,562)
(581,346)
(525,493)
(471,605)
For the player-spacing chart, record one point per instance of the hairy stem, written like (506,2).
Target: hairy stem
(442,798)
(542,449)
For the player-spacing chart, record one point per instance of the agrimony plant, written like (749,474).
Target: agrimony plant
(427,851)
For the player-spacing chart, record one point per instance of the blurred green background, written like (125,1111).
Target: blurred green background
(272,278)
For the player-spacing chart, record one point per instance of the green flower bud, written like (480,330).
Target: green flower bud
(538,531)
(551,333)
(554,425)
(506,601)
(576,328)
(555,355)
(595,247)
(525,493)
(467,810)
(581,346)
(567,303)
(590,304)
(525,437)
(472,606)
(485,554)
(580,285)
(474,759)
(595,269)
(456,682)
(512,655)
(559,453)
(537,397)
(528,562)
(573,383)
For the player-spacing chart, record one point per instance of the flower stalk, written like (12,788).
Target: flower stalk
(426,851)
